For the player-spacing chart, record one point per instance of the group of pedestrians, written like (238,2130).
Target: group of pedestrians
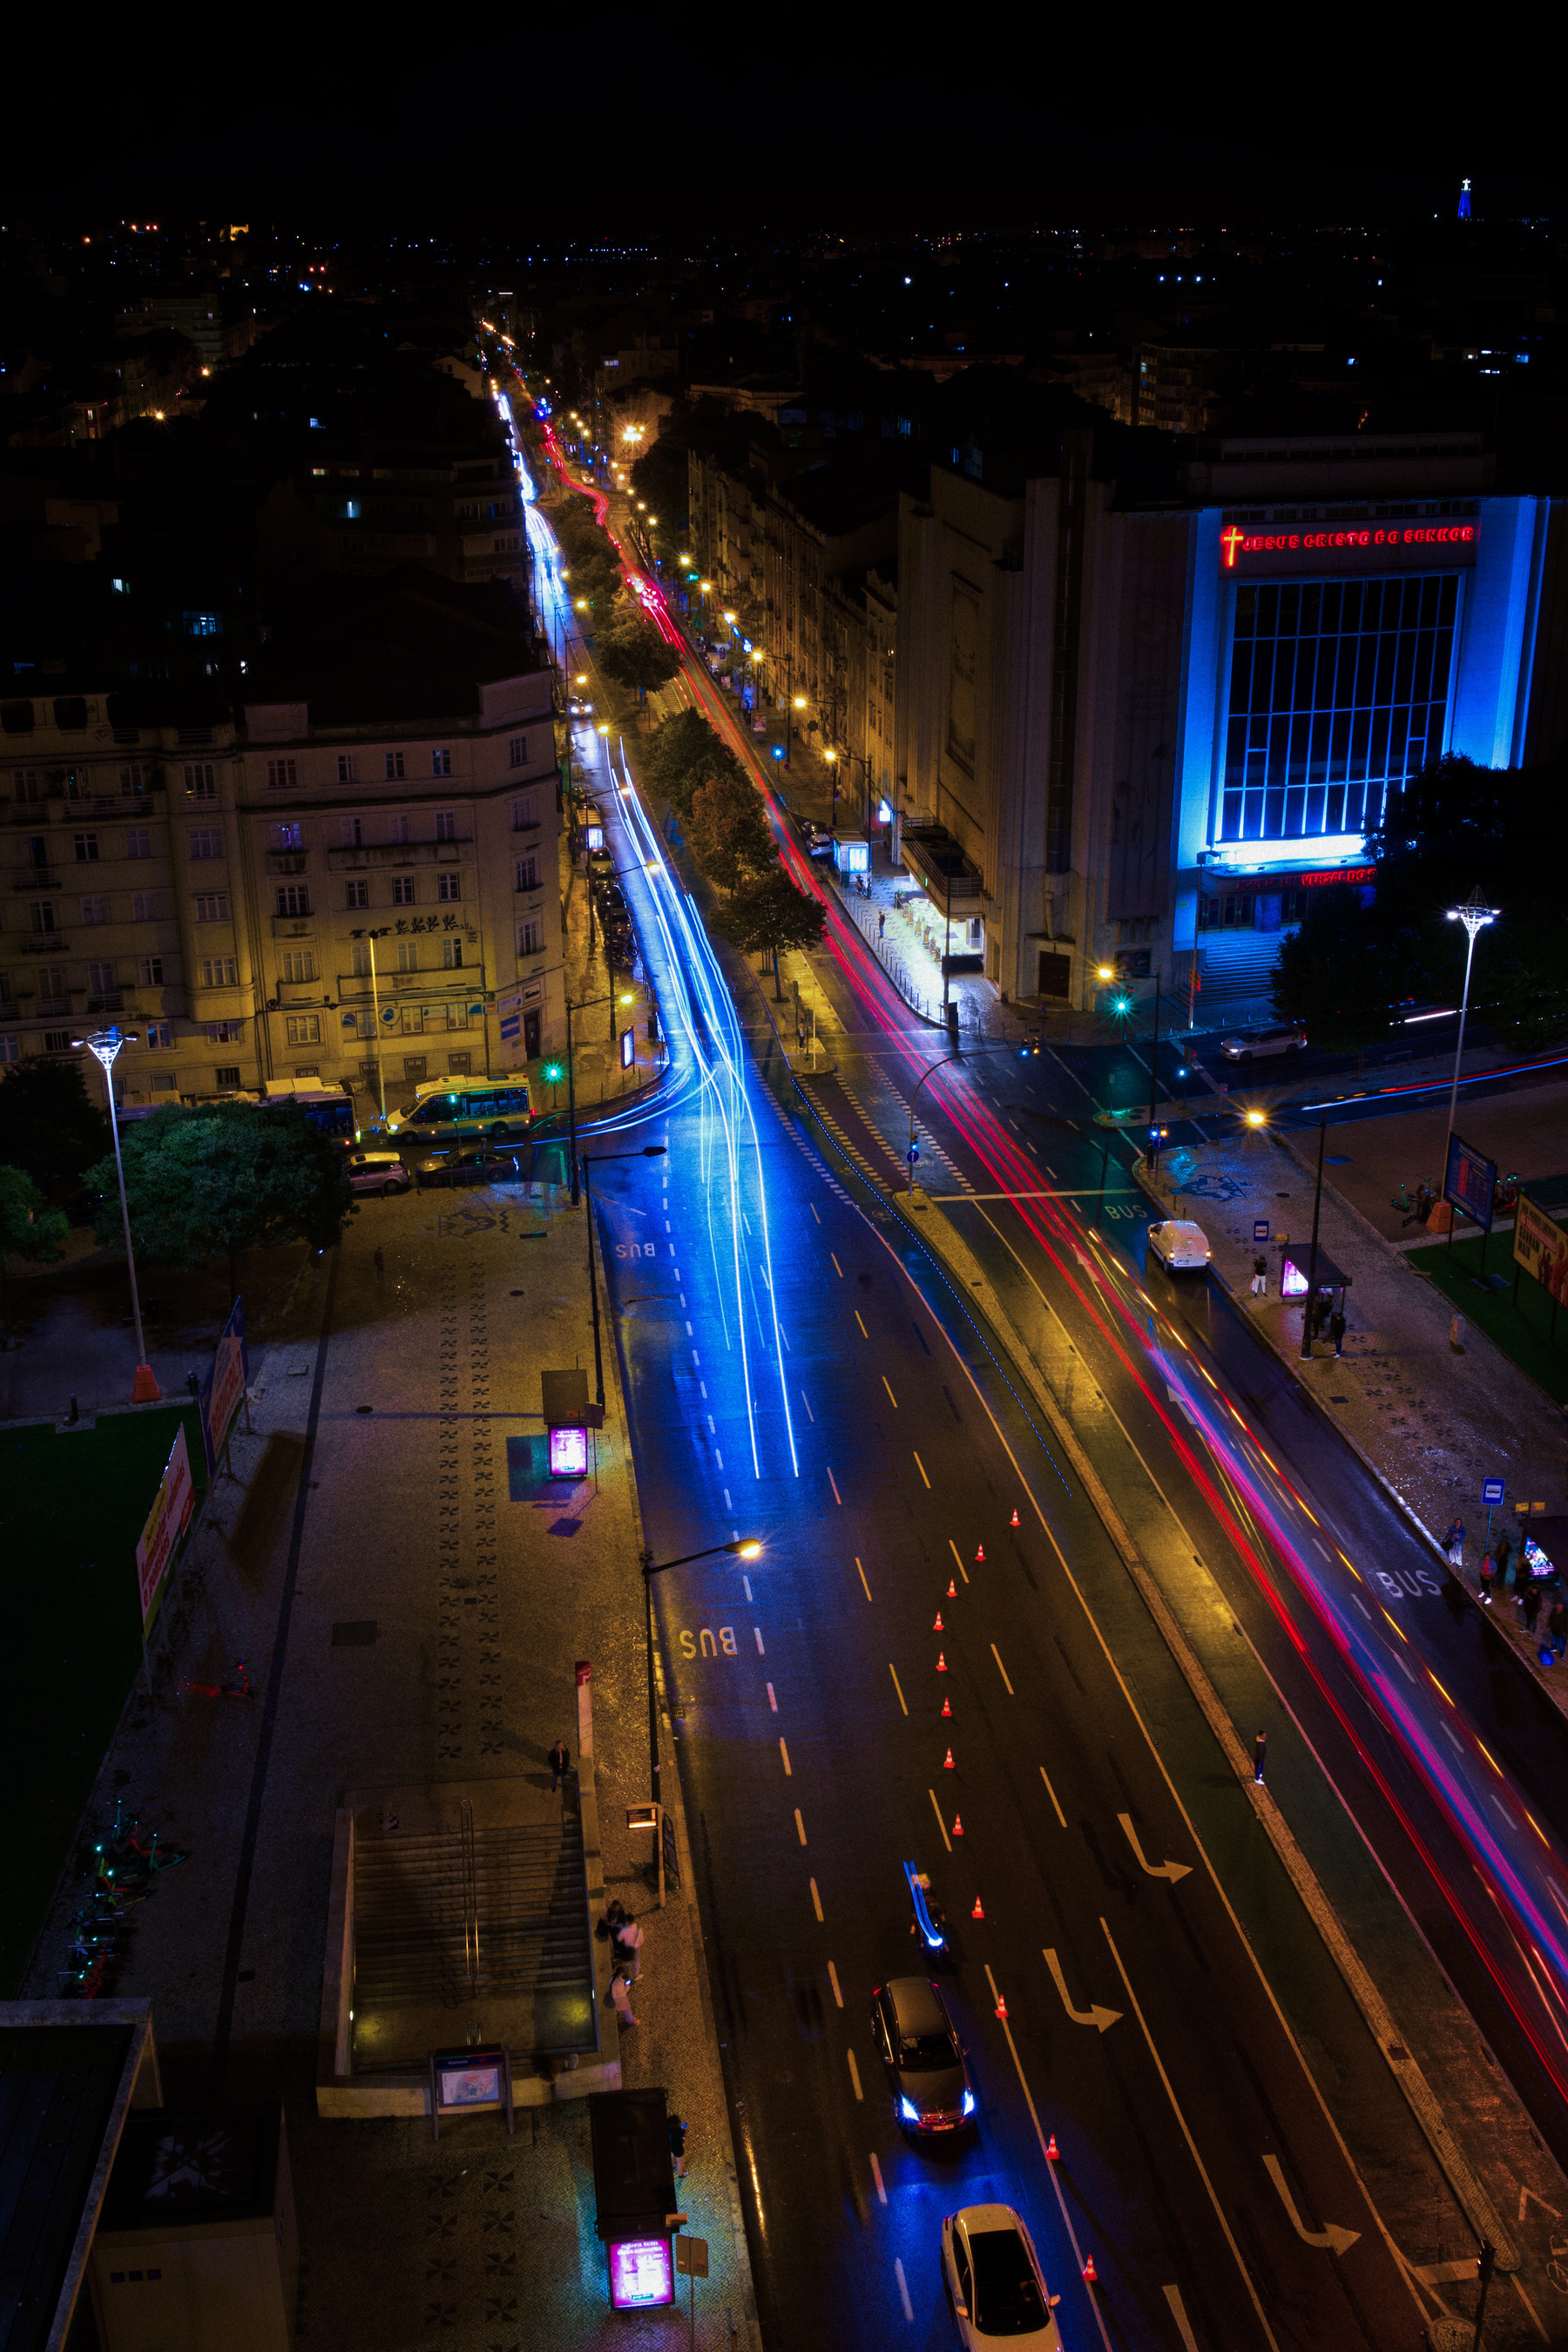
(1317,1314)
(1505,1568)
(625,1939)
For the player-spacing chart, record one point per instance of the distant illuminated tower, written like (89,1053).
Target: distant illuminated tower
(1464,200)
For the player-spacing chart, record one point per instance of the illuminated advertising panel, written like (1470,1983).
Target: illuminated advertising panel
(642,2273)
(569,1453)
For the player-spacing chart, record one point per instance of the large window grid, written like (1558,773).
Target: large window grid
(1337,689)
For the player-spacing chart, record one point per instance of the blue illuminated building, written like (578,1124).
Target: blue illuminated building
(1464,200)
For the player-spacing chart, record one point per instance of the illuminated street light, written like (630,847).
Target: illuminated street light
(1475,917)
(1257,1119)
(103,1045)
(1107,971)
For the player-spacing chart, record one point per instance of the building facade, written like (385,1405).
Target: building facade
(1152,728)
(224,890)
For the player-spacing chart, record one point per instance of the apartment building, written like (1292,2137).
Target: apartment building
(354,887)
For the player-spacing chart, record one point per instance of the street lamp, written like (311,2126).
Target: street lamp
(743,1548)
(103,1045)
(1475,917)
(649,1151)
(375,1010)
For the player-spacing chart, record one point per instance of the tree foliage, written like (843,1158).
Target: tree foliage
(634,654)
(729,832)
(1342,974)
(29,1228)
(49,1125)
(682,753)
(209,1181)
(769,915)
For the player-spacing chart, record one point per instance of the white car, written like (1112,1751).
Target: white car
(1252,1045)
(377,1171)
(995,2283)
(1181,1246)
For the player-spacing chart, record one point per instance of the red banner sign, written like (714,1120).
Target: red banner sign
(1379,541)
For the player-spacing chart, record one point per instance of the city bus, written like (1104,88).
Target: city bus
(448,1110)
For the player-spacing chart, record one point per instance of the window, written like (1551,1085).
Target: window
(51,980)
(160,1035)
(201,624)
(517,752)
(199,781)
(226,1076)
(288,836)
(138,841)
(528,873)
(531,937)
(25,785)
(440,764)
(446,825)
(86,848)
(303,1028)
(351,831)
(1339,689)
(451,953)
(220,971)
(143,907)
(42,914)
(10,1049)
(95,910)
(449,886)
(225,1032)
(212,906)
(283,775)
(151,970)
(293,898)
(299,965)
(398,829)
(361,959)
(356,894)
(100,978)
(525,812)
(56,1041)
(134,778)
(348,768)
(403,889)
(408,956)
(207,840)
(394,766)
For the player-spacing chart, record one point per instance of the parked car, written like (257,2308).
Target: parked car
(1252,1045)
(1181,1246)
(994,2281)
(611,902)
(920,2050)
(466,1167)
(377,1171)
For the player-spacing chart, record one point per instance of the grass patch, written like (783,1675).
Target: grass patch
(71,1508)
(1523,1333)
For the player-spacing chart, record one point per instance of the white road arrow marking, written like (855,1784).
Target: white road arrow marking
(1168,1869)
(1334,2239)
(1097,2017)
(1181,1405)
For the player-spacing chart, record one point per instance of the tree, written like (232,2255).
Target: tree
(48,1126)
(729,831)
(221,1177)
(634,654)
(683,752)
(768,916)
(1342,974)
(29,1229)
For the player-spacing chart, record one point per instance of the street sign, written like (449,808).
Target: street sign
(1260,1229)
(691,2257)
(1491,1491)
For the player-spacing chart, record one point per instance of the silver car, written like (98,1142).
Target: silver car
(377,1171)
(1252,1045)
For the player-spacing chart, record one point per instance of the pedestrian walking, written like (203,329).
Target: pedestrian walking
(1557,1630)
(1485,1577)
(678,2147)
(1259,1757)
(1530,1603)
(380,1266)
(1337,1330)
(1261,1277)
(560,1763)
(628,1947)
(881,926)
(621,1999)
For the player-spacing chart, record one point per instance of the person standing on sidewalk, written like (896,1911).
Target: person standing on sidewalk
(1337,1330)
(1530,1601)
(560,1762)
(1486,1576)
(1453,1543)
(621,1999)
(1261,1277)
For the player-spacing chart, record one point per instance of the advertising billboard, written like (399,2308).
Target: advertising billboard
(166,1523)
(1468,1183)
(223,1391)
(1541,1247)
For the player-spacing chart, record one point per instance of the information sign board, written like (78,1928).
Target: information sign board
(166,1523)
(1469,1182)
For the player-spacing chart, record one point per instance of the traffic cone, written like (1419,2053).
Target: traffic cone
(958,1826)
(947,1706)
(937,1627)
(1002,2007)
(947,1763)
(1015,1518)
(1053,2153)
(977,1913)
(980,1556)
(941,1662)
(952,1590)
(1091,2276)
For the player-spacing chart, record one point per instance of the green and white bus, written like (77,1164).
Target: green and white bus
(449,1110)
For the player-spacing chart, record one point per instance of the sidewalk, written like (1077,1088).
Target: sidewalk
(396,1455)
(1429,1420)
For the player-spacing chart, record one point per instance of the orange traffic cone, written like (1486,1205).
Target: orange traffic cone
(941,1662)
(952,1590)
(980,1556)
(1091,2276)
(1002,2007)
(937,1627)
(947,1706)
(947,1763)
(1053,2153)
(1015,1518)
(958,1826)
(977,1913)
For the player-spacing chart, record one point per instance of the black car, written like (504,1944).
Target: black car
(482,1167)
(916,2040)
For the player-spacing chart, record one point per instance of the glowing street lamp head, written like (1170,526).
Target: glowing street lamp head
(745,1547)
(1123,1005)
(1106,971)
(800,702)
(1257,1119)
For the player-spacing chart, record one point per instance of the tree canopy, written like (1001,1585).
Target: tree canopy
(768,915)
(729,832)
(1342,974)
(634,654)
(49,1125)
(683,752)
(210,1181)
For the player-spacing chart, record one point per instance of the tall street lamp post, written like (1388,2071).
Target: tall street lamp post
(743,1547)
(649,1151)
(587,1006)
(375,1011)
(1312,1258)
(1475,917)
(103,1045)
